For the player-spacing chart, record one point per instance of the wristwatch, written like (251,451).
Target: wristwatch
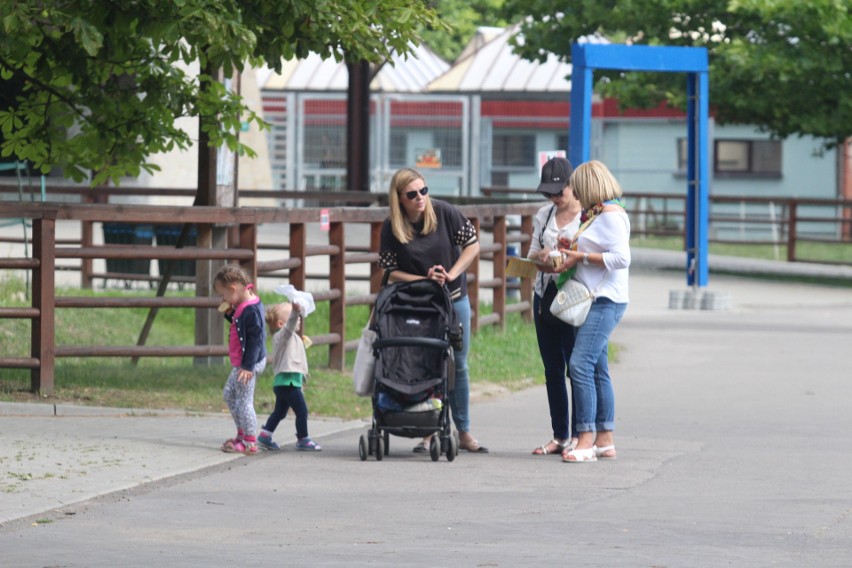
(585,259)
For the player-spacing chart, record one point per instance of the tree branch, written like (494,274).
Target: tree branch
(43,86)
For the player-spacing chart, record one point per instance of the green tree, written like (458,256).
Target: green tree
(463,17)
(783,65)
(97,86)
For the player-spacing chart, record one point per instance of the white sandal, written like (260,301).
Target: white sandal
(580,456)
(599,452)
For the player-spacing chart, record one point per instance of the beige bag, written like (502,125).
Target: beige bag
(572,303)
(365,362)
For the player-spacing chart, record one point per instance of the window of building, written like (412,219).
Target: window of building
(325,146)
(739,157)
(513,150)
(500,179)
(450,143)
(562,143)
(398,151)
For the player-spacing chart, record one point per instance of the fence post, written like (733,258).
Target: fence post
(248,240)
(791,231)
(376,271)
(87,239)
(527,283)
(42,340)
(337,306)
(298,241)
(500,268)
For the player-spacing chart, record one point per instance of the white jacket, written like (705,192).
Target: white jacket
(609,234)
(288,349)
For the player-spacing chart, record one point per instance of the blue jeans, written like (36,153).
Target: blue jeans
(460,395)
(590,380)
(555,344)
(287,397)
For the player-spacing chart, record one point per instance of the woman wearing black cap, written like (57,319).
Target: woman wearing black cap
(554,224)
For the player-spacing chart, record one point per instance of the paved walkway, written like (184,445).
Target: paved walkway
(733,428)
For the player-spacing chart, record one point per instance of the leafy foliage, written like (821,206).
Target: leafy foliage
(783,65)
(98,85)
(463,17)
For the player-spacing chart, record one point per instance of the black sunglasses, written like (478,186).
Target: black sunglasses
(413,194)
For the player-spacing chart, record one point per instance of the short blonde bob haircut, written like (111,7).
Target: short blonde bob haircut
(402,228)
(593,183)
(276,313)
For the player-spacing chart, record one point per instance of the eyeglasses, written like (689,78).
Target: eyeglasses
(411,195)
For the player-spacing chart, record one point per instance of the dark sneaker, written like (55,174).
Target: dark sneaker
(267,442)
(307,445)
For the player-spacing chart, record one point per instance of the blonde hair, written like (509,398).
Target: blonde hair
(593,183)
(402,228)
(276,313)
(232,274)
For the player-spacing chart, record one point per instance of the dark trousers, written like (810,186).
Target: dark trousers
(287,397)
(555,343)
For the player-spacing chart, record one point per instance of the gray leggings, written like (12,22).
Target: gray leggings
(240,400)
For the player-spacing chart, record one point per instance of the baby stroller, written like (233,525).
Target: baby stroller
(416,329)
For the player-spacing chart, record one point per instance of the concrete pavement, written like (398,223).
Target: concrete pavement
(53,456)
(732,430)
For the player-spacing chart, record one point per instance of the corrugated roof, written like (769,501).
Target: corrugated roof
(488,64)
(401,75)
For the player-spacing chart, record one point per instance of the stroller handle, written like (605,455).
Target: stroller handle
(411,342)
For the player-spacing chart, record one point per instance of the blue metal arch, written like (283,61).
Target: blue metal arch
(585,58)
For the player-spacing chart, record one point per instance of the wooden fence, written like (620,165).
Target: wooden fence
(778,221)
(242,247)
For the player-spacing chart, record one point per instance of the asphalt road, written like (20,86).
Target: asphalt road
(732,432)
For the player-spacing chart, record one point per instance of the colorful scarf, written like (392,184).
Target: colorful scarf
(586,218)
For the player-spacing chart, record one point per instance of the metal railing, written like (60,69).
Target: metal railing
(774,221)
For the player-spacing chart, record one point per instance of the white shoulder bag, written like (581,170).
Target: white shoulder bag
(573,302)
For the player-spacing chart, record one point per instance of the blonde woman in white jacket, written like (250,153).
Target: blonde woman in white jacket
(601,253)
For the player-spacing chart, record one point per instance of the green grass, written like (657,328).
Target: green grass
(814,252)
(507,358)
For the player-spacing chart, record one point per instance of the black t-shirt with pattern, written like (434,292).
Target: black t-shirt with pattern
(443,246)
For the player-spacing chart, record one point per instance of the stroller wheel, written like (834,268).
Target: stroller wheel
(453,449)
(387,442)
(435,449)
(362,447)
(380,448)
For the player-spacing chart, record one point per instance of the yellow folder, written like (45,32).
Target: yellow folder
(521,267)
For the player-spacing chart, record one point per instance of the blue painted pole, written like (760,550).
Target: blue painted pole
(580,128)
(703,140)
(692,164)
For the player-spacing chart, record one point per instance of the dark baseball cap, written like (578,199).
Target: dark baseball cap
(555,175)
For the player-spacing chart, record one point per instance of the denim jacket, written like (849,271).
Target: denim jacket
(250,322)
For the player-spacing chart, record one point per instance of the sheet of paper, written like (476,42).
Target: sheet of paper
(521,267)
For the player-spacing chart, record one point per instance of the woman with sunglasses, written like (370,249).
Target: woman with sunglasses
(429,238)
(554,226)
